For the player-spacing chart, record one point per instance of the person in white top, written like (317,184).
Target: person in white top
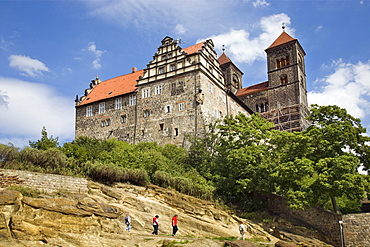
(242,230)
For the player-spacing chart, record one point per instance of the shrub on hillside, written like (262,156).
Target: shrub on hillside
(108,173)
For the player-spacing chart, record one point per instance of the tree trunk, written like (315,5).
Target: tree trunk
(334,203)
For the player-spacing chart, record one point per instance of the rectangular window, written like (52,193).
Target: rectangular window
(102,108)
(89,111)
(215,112)
(161,127)
(224,98)
(146,113)
(132,100)
(124,118)
(145,93)
(181,106)
(167,109)
(176,132)
(172,67)
(158,89)
(161,70)
(169,55)
(164,57)
(210,87)
(118,103)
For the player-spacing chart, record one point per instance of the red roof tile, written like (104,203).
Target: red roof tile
(224,59)
(194,48)
(113,87)
(252,89)
(282,39)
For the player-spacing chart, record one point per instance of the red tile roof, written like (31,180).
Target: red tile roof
(224,59)
(123,84)
(282,39)
(113,87)
(252,89)
(194,48)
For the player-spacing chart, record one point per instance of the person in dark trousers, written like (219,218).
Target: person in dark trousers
(155,225)
(174,225)
(128,222)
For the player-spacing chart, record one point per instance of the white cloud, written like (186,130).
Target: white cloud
(31,67)
(91,47)
(26,107)
(319,28)
(240,47)
(260,3)
(347,87)
(180,29)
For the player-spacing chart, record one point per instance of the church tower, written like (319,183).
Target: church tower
(232,74)
(287,92)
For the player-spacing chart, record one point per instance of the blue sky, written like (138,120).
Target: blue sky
(51,50)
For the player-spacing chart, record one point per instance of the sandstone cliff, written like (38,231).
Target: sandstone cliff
(96,219)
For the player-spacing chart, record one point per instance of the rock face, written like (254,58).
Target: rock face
(96,219)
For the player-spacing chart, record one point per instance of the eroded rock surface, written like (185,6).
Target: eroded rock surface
(96,219)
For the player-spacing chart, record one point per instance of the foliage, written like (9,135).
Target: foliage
(25,191)
(45,142)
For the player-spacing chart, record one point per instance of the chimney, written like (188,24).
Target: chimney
(134,69)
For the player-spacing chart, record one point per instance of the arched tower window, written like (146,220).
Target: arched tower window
(282,62)
(235,81)
(283,79)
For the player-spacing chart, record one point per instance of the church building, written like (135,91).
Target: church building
(182,90)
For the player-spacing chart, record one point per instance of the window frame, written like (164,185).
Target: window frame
(89,111)
(101,107)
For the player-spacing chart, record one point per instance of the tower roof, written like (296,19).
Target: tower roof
(224,59)
(282,39)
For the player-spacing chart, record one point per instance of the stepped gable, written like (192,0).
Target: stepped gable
(252,89)
(282,39)
(123,84)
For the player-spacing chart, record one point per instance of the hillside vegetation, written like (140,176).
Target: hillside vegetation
(238,157)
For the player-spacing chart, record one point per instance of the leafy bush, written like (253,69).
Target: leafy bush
(111,173)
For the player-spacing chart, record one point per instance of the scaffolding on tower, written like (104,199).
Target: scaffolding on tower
(288,118)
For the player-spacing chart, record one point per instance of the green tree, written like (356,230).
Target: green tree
(45,142)
(339,147)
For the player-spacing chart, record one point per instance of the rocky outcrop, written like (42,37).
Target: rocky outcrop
(96,219)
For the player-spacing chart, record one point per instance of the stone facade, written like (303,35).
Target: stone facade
(181,91)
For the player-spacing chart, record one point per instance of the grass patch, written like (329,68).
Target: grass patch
(25,191)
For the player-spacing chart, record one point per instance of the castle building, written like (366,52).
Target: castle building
(182,90)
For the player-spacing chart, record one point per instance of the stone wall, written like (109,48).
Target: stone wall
(45,182)
(356,230)
(324,221)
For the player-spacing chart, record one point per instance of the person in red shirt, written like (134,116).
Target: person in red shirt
(155,225)
(174,225)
